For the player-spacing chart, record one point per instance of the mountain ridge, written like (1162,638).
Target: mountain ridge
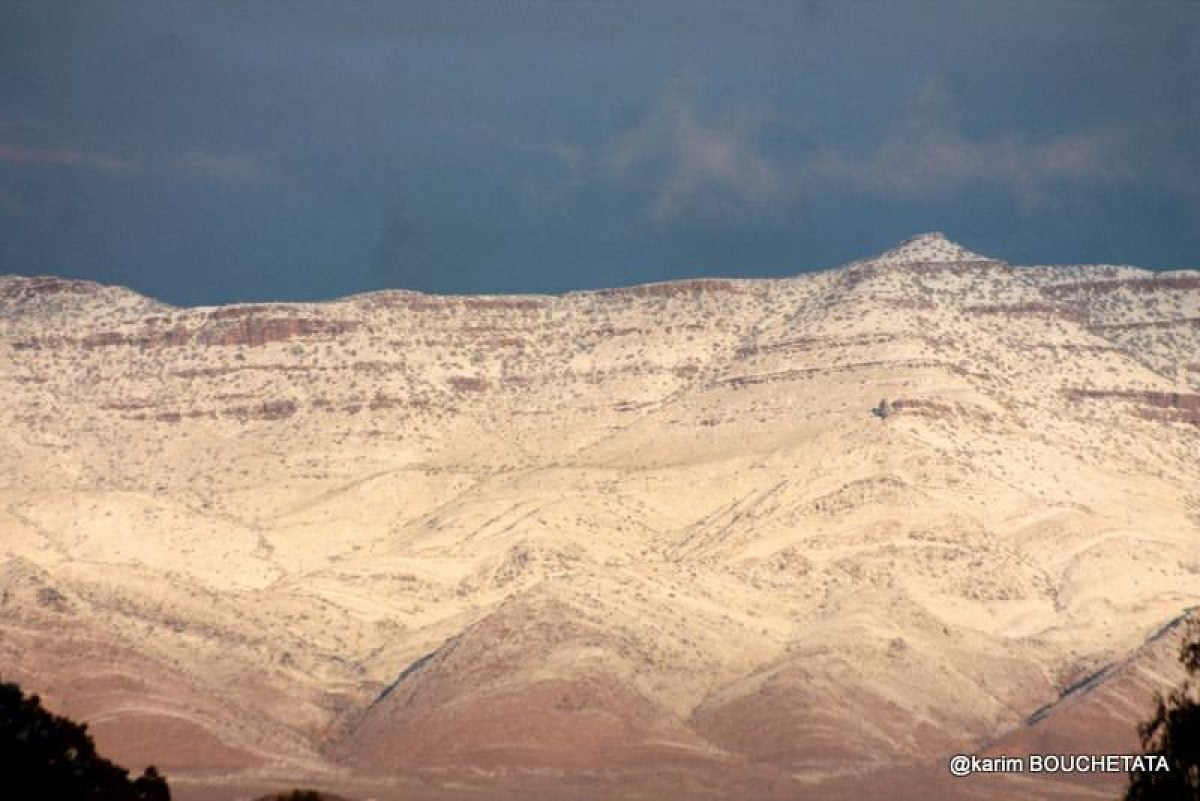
(928,248)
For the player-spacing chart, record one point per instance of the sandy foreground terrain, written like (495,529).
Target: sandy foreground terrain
(640,543)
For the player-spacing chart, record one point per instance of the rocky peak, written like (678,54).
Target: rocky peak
(20,287)
(34,297)
(928,248)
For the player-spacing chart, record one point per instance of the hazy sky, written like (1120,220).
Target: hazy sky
(207,152)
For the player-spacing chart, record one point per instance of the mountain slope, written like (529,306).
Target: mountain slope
(573,543)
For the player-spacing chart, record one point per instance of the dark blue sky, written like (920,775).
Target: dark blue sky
(209,152)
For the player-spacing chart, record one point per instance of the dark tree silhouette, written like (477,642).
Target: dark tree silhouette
(45,756)
(1174,732)
(302,795)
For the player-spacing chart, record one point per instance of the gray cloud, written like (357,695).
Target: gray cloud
(62,157)
(927,154)
(220,166)
(195,162)
(694,165)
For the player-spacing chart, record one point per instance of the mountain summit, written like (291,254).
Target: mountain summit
(931,247)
